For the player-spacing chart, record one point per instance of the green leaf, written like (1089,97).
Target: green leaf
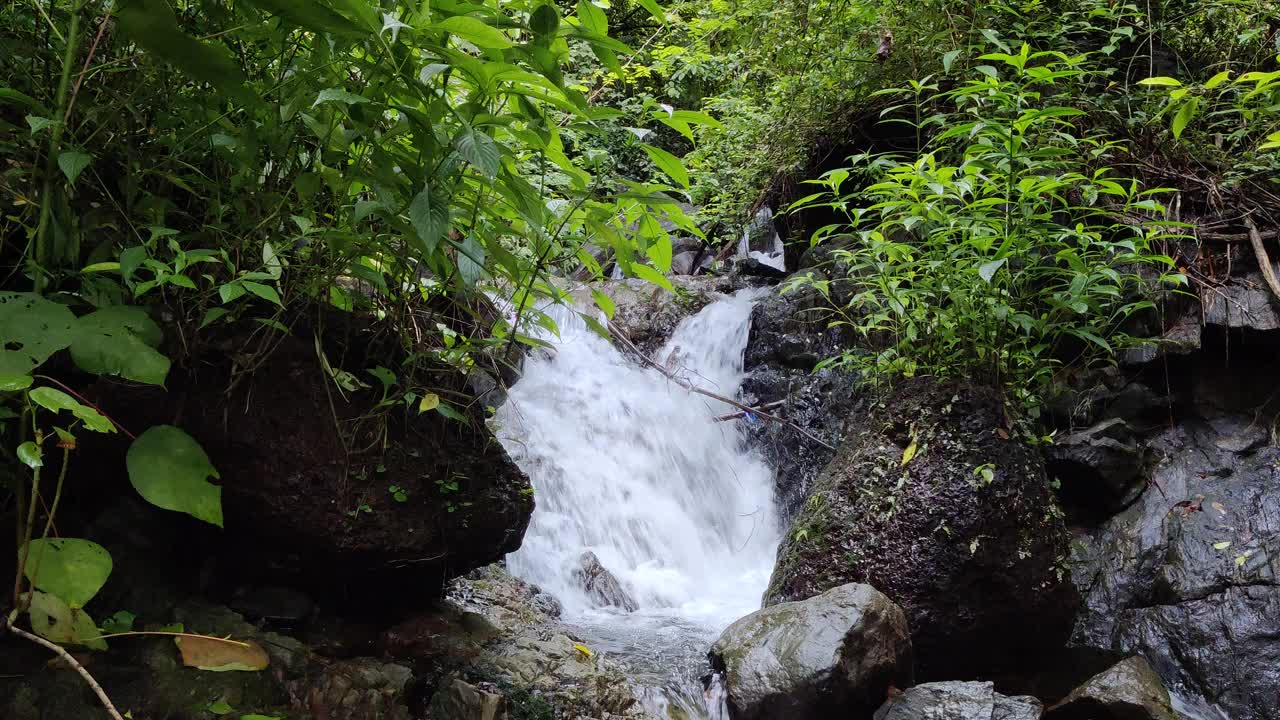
(212,316)
(450,413)
(219,708)
(986,271)
(266,292)
(669,164)
(429,214)
(72,163)
(33,329)
(545,20)
(1184,116)
(338,95)
(1217,80)
(430,401)
(949,59)
(1222,545)
(58,622)
(152,25)
(57,401)
(604,302)
(230,292)
(478,149)
(31,455)
(170,470)
(121,621)
(654,9)
(1160,82)
(645,272)
(475,32)
(660,253)
(120,340)
(13,383)
(592,18)
(100,267)
(73,569)
(310,14)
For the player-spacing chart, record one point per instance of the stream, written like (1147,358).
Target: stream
(629,465)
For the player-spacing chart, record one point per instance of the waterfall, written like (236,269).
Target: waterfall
(630,466)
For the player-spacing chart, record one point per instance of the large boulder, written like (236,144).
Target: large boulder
(602,586)
(954,700)
(1099,468)
(325,488)
(646,313)
(837,653)
(931,501)
(1187,576)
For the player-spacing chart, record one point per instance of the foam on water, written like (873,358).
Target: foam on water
(630,465)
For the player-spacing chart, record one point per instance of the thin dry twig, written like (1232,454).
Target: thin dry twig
(70,660)
(701,391)
(1264,261)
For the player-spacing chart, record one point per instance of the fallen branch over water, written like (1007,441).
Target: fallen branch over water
(754,411)
(626,342)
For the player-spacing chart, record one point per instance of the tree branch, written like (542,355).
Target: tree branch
(1264,262)
(69,659)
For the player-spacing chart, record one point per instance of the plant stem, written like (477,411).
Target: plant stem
(25,538)
(69,659)
(39,255)
(57,494)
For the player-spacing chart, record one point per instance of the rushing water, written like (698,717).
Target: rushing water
(633,467)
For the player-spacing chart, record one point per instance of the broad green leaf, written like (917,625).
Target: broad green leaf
(669,164)
(266,292)
(478,149)
(1217,80)
(986,271)
(429,214)
(338,95)
(450,413)
(31,455)
(475,32)
(230,292)
(545,19)
(121,621)
(120,340)
(654,9)
(56,621)
(1160,82)
(13,383)
(101,267)
(430,401)
(73,569)
(592,18)
(660,253)
(57,401)
(645,272)
(949,59)
(604,302)
(170,470)
(310,14)
(152,25)
(72,163)
(219,655)
(33,329)
(1185,114)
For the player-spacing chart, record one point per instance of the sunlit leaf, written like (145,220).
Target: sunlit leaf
(73,569)
(170,470)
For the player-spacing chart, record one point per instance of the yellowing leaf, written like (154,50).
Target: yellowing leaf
(910,452)
(1222,545)
(430,401)
(586,651)
(217,655)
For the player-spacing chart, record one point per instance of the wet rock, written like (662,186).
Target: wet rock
(1128,690)
(755,267)
(273,602)
(647,314)
(929,501)
(299,511)
(444,633)
(686,262)
(365,689)
(957,701)
(459,700)
(789,337)
(838,652)
(600,585)
(1245,302)
(1100,467)
(1186,576)
(1182,338)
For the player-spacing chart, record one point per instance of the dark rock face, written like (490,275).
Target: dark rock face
(1246,302)
(789,337)
(928,503)
(957,701)
(647,314)
(306,470)
(1103,463)
(1128,690)
(601,585)
(833,654)
(1186,576)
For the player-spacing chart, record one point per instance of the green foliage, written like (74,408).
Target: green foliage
(1002,251)
(170,470)
(74,570)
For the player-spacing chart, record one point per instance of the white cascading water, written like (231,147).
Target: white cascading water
(635,468)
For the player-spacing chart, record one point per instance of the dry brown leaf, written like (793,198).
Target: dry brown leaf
(217,655)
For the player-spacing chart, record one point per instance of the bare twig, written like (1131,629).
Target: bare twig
(702,391)
(1264,262)
(754,411)
(70,660)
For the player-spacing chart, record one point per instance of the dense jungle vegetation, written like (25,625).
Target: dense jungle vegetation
(1006,192)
